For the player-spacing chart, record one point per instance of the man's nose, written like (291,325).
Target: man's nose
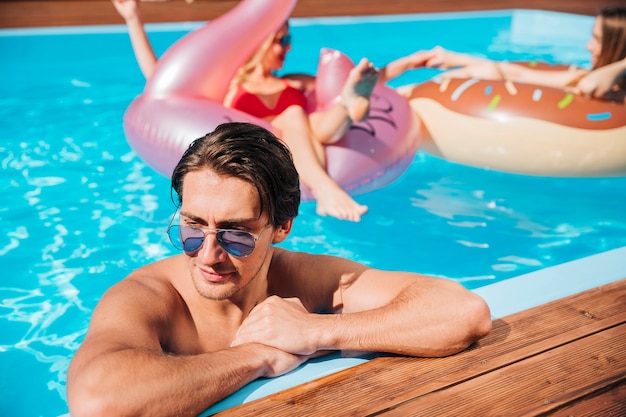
(211,251)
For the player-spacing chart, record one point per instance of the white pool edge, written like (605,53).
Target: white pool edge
(535,288)
(295,21)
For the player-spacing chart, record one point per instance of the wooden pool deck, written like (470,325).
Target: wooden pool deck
(37,13)
(563,358)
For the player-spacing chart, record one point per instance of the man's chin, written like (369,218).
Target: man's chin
(216,291)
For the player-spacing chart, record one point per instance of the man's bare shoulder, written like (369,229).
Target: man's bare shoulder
(315,279)
(154,274)
(132,314)
(150,289)
(303,264)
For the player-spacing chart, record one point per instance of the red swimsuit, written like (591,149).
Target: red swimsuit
(252,104)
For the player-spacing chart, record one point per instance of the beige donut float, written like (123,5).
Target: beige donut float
(521,128)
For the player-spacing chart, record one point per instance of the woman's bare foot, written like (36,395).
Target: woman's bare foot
(358,90)
(335,202)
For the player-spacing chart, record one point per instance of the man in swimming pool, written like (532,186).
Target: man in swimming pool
(178,335)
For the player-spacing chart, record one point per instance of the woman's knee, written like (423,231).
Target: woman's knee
(293,117)
(294,112)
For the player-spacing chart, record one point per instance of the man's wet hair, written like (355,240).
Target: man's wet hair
(252,154)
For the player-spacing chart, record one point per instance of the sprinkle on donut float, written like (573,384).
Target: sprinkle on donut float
(521,128)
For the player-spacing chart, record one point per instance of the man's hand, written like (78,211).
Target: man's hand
(278,362)
(282,323)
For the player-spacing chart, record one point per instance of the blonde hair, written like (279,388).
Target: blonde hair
(246,69)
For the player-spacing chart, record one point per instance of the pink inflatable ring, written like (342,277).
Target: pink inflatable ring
(183,99)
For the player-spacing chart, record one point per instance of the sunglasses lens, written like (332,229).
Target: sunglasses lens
(285,41)
(191,239)
(237,243)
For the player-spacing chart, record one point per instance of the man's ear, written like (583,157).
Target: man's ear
(282,231)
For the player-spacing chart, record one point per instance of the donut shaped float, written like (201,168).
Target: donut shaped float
(521,128)
(183,99)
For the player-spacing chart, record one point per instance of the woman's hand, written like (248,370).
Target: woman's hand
(608,83)
(128,9)
(399,66)
(439,57)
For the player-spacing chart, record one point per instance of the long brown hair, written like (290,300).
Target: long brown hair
(613,48)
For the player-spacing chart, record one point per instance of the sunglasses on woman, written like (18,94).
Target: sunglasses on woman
(284,40)
(238,243)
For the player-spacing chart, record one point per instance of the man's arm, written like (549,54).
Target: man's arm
(408,314)
(376,310)
(121,368)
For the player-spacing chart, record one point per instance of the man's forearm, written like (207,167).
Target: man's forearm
(416,323)
(414,315)
(139,382)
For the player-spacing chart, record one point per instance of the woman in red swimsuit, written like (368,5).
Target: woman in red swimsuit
(283,103)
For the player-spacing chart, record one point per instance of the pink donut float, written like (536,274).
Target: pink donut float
(182,101)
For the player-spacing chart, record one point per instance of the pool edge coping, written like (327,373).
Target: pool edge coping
(529,290)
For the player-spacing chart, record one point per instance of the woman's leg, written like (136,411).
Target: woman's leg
(332,200)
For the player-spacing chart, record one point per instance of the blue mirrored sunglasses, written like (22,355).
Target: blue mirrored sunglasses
(238,243)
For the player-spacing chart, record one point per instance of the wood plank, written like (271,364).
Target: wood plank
(384,382)
(37,13)
(538,385)
(610,403)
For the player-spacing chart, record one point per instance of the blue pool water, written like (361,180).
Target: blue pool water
(80,210)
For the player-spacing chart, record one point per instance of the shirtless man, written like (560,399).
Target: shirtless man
(180,334)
